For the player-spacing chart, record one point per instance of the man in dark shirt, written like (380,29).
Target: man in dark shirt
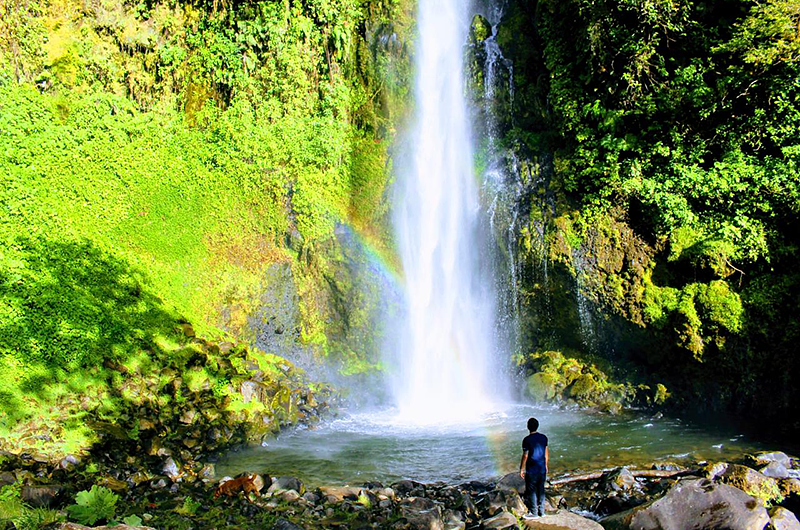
(534,467)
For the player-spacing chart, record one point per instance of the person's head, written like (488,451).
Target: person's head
(533,424)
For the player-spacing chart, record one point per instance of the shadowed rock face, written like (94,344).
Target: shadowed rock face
(695,504)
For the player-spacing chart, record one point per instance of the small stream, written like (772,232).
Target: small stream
(366,446)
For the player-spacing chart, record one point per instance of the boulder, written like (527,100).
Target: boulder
(512,481)
(409,487)
(694,504)
(767,457)
(453,520)
(171,468)
(561,520)
(775,470)
(501,521)
(783,519)
(281,484)
(750,481)
(422,514)
(7,478)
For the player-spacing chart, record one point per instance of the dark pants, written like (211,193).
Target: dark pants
(534,492)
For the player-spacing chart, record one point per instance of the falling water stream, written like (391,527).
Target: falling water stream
(445,369)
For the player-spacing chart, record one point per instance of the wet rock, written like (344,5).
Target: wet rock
(337,494)
(783,519)
(561,520)
(694,503)
(512,481)
(501,521)
(281,484)
(422,513)
(790,486)
(41,496)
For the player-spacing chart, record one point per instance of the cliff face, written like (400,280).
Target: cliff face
(658,158)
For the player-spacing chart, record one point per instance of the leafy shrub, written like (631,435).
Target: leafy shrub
(97,504)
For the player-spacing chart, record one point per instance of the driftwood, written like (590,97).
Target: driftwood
(648,473)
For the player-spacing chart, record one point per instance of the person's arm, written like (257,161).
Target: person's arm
(522,464)
(547,460)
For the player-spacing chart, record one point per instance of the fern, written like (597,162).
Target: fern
(94,505)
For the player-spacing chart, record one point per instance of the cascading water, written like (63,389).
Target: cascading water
(444,357)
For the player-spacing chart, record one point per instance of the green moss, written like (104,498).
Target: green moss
(721,305)
(541,386)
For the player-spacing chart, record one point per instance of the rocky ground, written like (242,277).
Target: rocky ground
(757,493)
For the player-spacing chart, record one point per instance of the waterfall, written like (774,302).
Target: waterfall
(443,357)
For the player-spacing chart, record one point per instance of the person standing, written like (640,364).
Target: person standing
(534,467)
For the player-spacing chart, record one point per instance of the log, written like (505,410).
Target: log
(647,473)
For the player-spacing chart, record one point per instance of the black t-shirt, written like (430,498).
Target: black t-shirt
(535,444)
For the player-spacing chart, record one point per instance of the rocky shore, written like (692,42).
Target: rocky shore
(760,491)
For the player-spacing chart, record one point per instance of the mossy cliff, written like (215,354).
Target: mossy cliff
(183,162)
(657,145)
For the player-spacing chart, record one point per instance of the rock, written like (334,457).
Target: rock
(171,468)
(481,29)
(159,484)
(750,481)
(790,486)
(694,503)
(386,503)
(259,481)
(783,519)
(500,521)
(561,520)
(283,524)
(386,492)
(337,494)
(422,513)
(41,496)
(611,505)
(187,418)
(7,478)
(453,520)
(188,330)
(207,472)
(69,462)
(114,484)
(311,497)
(775,470)
(765,458)
(281,484)
(618,480)
(289,496)
(409,487)
(249,390)
(512,481)
(505,500)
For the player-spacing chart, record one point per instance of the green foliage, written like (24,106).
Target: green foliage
(97,504)
(132,520)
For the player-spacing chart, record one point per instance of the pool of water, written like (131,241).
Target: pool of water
(374,445)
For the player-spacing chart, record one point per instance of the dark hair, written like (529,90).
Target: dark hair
(533,424)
